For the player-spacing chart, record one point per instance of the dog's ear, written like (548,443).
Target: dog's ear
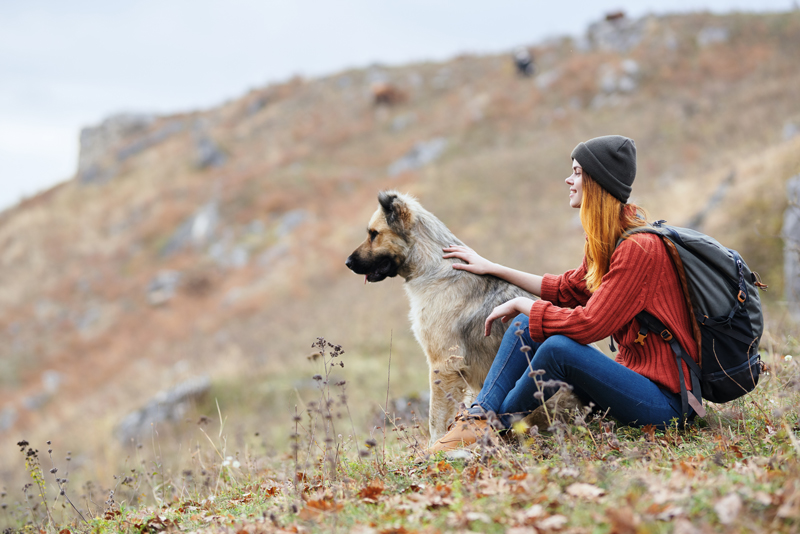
(386,199)
(396,211)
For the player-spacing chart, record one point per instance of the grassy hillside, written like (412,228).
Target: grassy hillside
(301,163)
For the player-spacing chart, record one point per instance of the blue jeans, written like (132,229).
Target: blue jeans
(629,397)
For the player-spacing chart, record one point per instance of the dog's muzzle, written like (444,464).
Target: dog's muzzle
(375,269)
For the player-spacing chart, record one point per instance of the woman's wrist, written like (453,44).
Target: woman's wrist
(524,305)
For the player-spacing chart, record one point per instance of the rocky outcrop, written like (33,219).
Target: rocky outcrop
(150,139)
(167,406)
(616,33)
(103,148)
(420,155)
(162,287)
(791,247)
(8,416)
(699,218)
(207,152)
(96,162)
(712,35)
(197,230)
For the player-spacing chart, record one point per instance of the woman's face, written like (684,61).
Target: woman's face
(575,183)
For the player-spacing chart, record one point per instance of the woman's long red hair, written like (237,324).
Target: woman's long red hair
(604,218)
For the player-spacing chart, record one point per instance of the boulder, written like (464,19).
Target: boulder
(8,416)
(790,130)
(712,35)
(208,153)
(197,230)
(140,144)
(404,411)
(291,220)
(561,406)
(616,33)
(162,287)
(51,381)
(697,221)
(229,254)
(420,155)
(619,78)
(791,248)
(96,161)
(170,405)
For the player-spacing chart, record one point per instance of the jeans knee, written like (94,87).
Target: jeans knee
(554,354)
(557,345)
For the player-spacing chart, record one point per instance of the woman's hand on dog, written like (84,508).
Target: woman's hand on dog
(507,311)
(475,263)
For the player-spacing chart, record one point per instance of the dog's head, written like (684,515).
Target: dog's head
(383,252)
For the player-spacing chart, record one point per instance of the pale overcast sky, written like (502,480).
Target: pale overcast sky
(69,64)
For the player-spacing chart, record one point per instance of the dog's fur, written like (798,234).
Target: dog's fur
(448,306)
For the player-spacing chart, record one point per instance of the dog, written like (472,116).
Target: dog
(448,307)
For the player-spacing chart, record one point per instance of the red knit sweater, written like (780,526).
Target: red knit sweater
(641,277)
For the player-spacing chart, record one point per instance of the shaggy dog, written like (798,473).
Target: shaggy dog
(448,306)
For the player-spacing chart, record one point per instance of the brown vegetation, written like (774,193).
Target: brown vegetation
(306,162)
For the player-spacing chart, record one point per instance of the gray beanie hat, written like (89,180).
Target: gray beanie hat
(610,161)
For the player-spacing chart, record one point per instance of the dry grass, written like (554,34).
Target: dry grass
(320,145)
(736,470)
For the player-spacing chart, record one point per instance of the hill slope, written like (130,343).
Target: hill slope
(253,206)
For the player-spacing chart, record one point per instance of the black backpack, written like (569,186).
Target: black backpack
(722,292)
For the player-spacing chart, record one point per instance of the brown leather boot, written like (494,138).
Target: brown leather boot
(464,433)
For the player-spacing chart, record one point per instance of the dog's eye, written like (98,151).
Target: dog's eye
(373,234)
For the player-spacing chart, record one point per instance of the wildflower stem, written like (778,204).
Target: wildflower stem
(62,490)
(352,425)
(388,383)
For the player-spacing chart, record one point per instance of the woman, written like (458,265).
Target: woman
(598,299)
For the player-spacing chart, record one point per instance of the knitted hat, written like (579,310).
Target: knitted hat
(610,161)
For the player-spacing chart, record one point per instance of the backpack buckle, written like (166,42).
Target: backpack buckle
(666,335)
(742,296)
(640,339)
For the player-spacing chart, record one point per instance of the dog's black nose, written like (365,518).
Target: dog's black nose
(349,262)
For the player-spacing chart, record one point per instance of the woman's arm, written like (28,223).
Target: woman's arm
(477,264)
(507,311)
(632,278)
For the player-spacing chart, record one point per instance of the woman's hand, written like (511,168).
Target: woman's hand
(507,311)
(475,262)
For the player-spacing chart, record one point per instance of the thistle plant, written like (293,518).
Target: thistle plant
(323,413)
(62,482)
(34,468)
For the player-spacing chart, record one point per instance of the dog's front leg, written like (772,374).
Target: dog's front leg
(445,397)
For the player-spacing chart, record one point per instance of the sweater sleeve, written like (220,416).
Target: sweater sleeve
(567,290)
(621,295)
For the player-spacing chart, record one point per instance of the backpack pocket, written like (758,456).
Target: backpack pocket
(729,384)
(731,363)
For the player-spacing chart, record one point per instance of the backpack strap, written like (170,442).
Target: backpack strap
(669,237)
(649,323)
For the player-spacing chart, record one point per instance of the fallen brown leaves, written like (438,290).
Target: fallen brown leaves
(372,491)
(318,505)
(585,491)
(622,520)
(156,524)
